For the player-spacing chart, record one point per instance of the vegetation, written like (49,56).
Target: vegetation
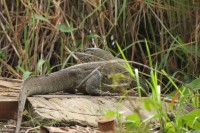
(37,37)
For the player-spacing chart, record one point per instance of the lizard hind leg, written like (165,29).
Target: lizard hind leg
(93,85)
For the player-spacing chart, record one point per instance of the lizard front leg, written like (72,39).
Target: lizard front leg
(93,85)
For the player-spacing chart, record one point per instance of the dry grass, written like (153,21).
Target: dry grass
(29,32)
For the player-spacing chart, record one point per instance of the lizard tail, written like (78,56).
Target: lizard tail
(21,104)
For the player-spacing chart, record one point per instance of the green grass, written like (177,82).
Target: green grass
(183,108)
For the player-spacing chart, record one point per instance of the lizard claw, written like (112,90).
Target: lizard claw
(114,94)
(109,94)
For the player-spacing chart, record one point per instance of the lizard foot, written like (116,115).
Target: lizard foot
(112,94)
(93,85)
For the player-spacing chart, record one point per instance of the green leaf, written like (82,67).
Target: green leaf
(21,69)
(26,74)
(110,113)
(47,63)
(169,127)
(2,54)
(191,119)
(134,118)
(132,121)
(39,64)
(89,37)
(195,84)
(64,28)
(129,124)
(149,104)
(39,17)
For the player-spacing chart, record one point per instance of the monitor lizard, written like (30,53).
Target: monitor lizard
(87,78)
(97,54)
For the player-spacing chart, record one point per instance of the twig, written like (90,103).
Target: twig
(32,129)
(10,68)
(73,55)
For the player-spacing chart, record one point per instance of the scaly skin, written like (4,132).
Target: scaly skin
(96,54)
(68,79)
